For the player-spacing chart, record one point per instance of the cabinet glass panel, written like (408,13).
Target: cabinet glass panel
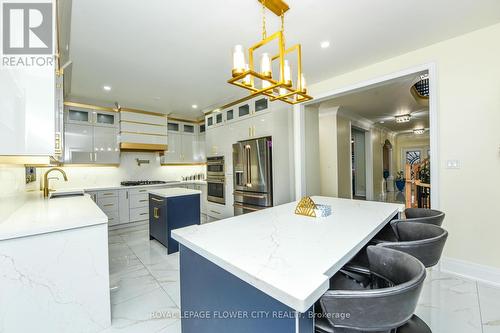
(230,115)
(261,104)
(202,128)
(188,129)
(218,118)
(77,115)
(243,110)
(173,127)
(210,121)
(107,119)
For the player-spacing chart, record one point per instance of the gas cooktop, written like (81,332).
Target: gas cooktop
(142,182)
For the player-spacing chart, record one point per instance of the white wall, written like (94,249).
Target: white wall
(468,88)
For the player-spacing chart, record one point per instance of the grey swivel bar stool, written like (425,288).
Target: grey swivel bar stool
(388,303)
(423,241)
(424,215)
(413,215)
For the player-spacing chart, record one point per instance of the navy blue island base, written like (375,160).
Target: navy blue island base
(215,301)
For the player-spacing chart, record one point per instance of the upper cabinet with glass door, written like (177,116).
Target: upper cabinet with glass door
(83,116)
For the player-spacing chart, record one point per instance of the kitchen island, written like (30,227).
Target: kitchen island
(54,264)
(263,271)
(170,209)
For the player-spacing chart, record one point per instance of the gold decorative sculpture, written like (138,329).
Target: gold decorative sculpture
(306,207)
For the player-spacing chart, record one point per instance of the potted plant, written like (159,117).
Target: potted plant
(400,181)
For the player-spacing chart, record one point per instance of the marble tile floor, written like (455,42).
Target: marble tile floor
(145,291)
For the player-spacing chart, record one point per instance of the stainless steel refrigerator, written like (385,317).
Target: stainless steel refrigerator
(252,175)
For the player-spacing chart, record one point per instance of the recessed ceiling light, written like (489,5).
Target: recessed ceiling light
(156,98)
(325,44)
(382,121)
(194,106)
(107,88)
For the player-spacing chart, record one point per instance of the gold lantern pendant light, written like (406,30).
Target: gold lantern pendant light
(244,75)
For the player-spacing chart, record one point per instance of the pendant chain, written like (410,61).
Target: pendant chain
(264,32)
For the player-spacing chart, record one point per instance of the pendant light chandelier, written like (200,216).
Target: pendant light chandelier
(279,85)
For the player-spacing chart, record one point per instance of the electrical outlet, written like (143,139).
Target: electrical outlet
(452,164)
(30,174)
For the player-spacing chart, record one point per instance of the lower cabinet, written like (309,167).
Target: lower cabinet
(128,205)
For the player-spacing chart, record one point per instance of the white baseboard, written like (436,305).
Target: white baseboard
(481,273)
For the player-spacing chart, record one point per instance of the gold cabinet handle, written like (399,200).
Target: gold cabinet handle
(157,200)
(143,200)
(156,213)
(143,213)
(108,193)
(142,190)
(213,211)
(108,205)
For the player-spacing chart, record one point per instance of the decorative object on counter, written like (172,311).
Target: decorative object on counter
(140,162)
(306,207)
(323,210)
(400,181)
(283,89)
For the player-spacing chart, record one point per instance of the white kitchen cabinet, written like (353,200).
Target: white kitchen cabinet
(78,116)
(86,144)
(188,143)
(27,117)
(173,155)
(184,147)
(78,143)
(106,149)
(124,206)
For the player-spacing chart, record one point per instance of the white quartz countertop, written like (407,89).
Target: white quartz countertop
(38,216)
(288,256)
(120,187)
(173,192)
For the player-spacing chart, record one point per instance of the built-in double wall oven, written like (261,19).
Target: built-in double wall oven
(216,180)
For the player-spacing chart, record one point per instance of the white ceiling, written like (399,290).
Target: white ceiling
(381,102)
(165,55)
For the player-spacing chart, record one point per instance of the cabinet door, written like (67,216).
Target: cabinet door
(187,154)
(78,147)
(106,118)
(200,155)
(173,155)
(106,149)
(124,206)
(79,116)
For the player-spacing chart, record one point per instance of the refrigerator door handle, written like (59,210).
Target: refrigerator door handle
(249,165)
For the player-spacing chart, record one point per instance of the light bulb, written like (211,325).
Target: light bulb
(265,65)
(266,84)
(247,80)
(238,60)
(303,86)
(288,74)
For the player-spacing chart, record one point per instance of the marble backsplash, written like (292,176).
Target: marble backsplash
(13,187)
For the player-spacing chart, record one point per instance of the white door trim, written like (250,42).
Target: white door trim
(299,137)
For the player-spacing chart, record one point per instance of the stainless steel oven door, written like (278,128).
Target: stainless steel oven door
(215,167)
(216,191)
(240,209)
